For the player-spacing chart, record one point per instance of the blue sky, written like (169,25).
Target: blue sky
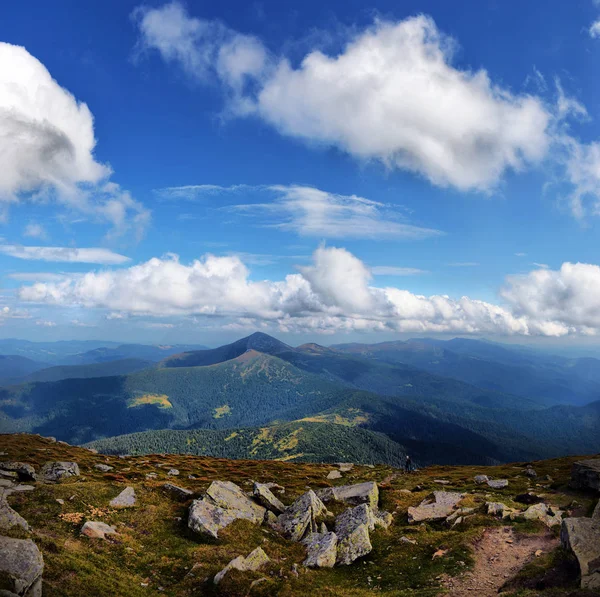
(353,171)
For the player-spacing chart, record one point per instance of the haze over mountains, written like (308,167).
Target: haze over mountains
(457,401)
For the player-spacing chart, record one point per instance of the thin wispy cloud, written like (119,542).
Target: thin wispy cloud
(387,270)
(65,254)
(464,264)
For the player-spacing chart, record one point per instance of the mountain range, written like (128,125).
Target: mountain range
(457,401)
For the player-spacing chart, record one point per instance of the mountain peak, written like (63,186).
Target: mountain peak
(264,343)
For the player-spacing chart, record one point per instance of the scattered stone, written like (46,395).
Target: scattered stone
(480,479)
(496,508)
(538,553)
(528,498)
(178,492)
(103,467)
(264,496)
(335,474)
(207,519)
(404,539)
(345,467)
(585,474)
(458,516)
(383,519)
(544,513)
(441,481)
(173,472)
(253,561)
(21,567)
(97,530)
(361,493)
(92,450)
(529,472)
(60,501)
(301,516)
(126,499)
(24,471)
(55,471)
(440,506)
(323,528)
(321,550)
(582,537)
(351,518)
(9,518)
(270,520)
(151,476)
(352,530)
(230,497)
(498,483)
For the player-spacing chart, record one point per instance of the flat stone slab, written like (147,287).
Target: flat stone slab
(230,497)
(265,497)
(126,499)
(9,518)
(360,493)
(207,519)
(55,471)
(440,506)
(104,468)
(582,537)
(21,567)
(255,560)
(585,474)
(177,492)
(24,471)
(498,483)
(97,530)
(335,474)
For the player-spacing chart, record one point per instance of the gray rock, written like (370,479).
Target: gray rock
(252,562)
(264,496)
(383,519)
(151,476)
(103,467)
(9,475)
(271,520)
(335,474)
(353,545)
(21,567)
(544,513)
(9,518)
(440,506)
(529,472)
(352,517)
(301,516)
(345,467)
(6,483)
(404,539)
(480,479)
(207,519)
(321,550)
(24,471)
(498,483)
(582,537)
(495,508)
(97,530)
(585,474)
(173,472)
(178,492)
(361,493)
(596,514)
(458,515)
(126,499)
(230,497)
(55,471)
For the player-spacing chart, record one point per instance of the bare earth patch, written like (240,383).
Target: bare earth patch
(498,555)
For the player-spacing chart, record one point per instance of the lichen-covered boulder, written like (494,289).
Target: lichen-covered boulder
(230,497)
(97,530)
(207,519)
(383,519)
(21,567)
(9,518)
(126,499)
(55,471)
(255,560)
(264,496)
(24,471)
(352,517)
(439,506)
(495,508)
(353,545)
(321,550)
(301,516)
(544,513)
(582,537)
(585,474)
(361,493)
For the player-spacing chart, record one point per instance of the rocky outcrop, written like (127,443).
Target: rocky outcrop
(438,507)
(207,519)
(253,561)
(126,499)
(264,496)
(52,472)
(582,537)
(177,492)
(585,474)
(9,518)
(361,493)
(21,567)
(97,530)
(301,517)
(24,471)
(321,550)
(352,530)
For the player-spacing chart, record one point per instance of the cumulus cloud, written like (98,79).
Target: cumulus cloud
(594,29)
(332,294)
(392,94)
(583,173)
(47,146)
(66,254)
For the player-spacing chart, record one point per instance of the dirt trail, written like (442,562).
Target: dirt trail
(499,555)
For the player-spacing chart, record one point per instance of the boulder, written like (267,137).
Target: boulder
(458,516)
(529,472)
(230,497)
(496,508)
(264,496)
(480,479)
(103,467)
(271,520)
(498,483)
(383,519)
(582,537)
(353,545)
(439,506)
(21,567)
(55,471)
(351,518)
(361,493)
(544,513)
(321,550)
(97,530)
(585,474)
(301,516)
(173,472)
(9,518)
(207,519)
(126,499)
(178,492)
(253,561)
(345,467)
(9,475)
(335,474)
(24,471)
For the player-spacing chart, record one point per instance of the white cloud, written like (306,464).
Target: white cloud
(583,173)
(392,95)
(66,254)
(198,191)
(595,29)
(45,323)
(34,230)
(47,146)
(464,264)
(333,294)
(36,276)
(520,254)
(308,211)
(388,270)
